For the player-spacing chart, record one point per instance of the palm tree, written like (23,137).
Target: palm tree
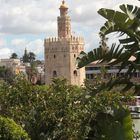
(127,23)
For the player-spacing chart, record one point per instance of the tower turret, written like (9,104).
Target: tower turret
(63,9)
(64,22)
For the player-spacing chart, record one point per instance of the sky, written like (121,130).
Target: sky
(25,23)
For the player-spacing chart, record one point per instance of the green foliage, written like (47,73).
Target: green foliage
(28,57)
(57,111)
(9,130)
(99,55)
(32,72)
(45,112)
(14,56)
(6,74)
(116,126)
(25,57)
(112,119)
(31,57)
(127,23)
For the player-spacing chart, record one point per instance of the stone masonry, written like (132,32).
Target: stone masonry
(61,52)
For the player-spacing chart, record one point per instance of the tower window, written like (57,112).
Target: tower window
(75,73)
(74,55)
(54,56)
(54,74)
(64,56)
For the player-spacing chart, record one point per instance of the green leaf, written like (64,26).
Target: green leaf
(117,126)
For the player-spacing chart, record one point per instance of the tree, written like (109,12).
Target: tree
(28,57)
(38,62)
(32,73)
(117,126)
(9,130)
(127,23)
(25,57)
(14,56)
(57,111)
(6,74)
(31,57)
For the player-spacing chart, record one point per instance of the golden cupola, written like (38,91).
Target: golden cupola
(63,9)
(63,5)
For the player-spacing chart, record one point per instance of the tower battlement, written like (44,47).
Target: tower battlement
(57,39)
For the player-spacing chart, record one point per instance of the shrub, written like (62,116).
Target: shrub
(9,130)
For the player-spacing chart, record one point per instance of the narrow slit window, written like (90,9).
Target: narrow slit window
(75,73)
(54,74)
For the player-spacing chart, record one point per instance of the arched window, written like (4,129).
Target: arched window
(54,56)
(54,74)
(74,55)
(75,73)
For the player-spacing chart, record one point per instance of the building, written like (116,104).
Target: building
(14,64)
(40,75)
(9,62)
(61,52)
(95,69)
(134,106)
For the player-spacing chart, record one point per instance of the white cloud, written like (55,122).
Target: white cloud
(35,46)
(5,53)
(3,42)
(18,46)
(40,17)
(19,42)
(17,17)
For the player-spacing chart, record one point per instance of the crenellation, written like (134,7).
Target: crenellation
(60,39)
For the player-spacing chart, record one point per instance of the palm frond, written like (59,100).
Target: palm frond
(100,55)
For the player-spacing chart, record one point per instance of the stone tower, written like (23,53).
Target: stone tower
(61,52)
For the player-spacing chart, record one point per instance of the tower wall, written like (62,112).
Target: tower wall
(61,52)
(64,26)
(60,56)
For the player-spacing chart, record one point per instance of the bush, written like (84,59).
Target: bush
(9,130)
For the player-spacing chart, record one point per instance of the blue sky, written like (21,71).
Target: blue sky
(25,24)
